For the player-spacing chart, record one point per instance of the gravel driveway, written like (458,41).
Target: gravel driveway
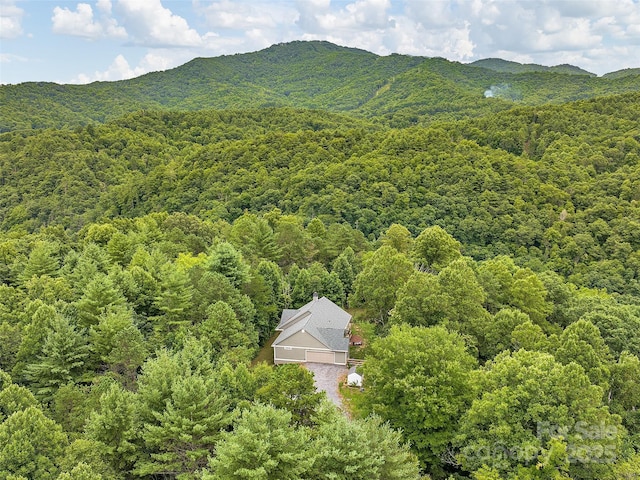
(326,377)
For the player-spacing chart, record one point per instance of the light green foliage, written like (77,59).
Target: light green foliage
(376,286)
(529,336)
(624,393)
(434,248)
(10,339)
(398,237)
(99,295)
(114,426)
(526,403)
(31,445)
(34,335)
(316,279)
(275,280)
(42,261)
(160,372)
(496,333)
(543,197)
(263,446)
(253,236)
(63,357)
(361,450)
(183,435)
(294,242)
(453,298)
(71,406)
(81,471)
(344,268)
(174,298)
(224,334)
(90,453)
(582,343)
(14,398)
(618,324)
(426,372)
(506,285)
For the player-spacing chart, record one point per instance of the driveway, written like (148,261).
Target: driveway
(327,377)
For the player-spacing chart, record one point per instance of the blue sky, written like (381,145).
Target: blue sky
(81,42)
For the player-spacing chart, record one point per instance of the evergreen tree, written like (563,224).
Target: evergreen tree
(183,435)
(62,360)
(42,261)
(226,260)
(345,271)
(174,299)
(262,445)
(223,333)
(99,295)
(31,445)
(115,426)
(361,450)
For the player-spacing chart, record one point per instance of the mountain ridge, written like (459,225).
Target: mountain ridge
(396,89)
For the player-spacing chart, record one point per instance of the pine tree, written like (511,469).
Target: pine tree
(31,445)
(100,294)
(42,261)
(174,299)
(262,445)
(62,359)
(184,434)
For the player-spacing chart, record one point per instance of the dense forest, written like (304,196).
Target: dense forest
(488,246)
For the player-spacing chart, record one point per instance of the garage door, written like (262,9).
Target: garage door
(319,357)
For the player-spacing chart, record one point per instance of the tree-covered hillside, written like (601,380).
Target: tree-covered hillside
(557,185)
(397,89)
(152,232)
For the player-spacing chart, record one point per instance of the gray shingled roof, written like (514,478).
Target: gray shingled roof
(322,319)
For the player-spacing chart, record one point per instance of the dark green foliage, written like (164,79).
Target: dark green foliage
(291,387)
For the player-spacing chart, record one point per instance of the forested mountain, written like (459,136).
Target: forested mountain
(151,232)
(397,89)
(500,65)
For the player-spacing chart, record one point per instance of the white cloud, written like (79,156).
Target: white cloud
(360,16)
(120,69)
(81,22)
(153,25)
(226,14)
(10,19)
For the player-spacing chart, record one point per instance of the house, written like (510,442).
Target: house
(316,332)
(354,379)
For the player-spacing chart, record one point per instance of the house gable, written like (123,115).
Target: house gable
(301,339)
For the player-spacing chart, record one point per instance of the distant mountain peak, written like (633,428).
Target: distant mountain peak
(508,66)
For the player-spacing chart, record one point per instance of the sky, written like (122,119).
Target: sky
(106,40)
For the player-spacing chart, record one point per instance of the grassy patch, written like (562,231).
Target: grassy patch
(265,354)
(353,401)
